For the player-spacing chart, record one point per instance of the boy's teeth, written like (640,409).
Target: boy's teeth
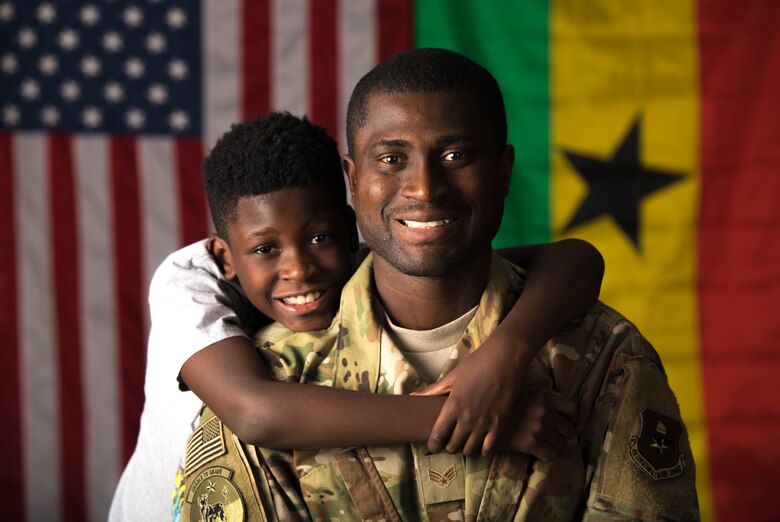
(425,224)
(302,298)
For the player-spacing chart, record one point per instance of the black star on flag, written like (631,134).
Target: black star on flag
(617,185)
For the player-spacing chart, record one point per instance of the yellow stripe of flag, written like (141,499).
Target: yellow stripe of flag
(615,63)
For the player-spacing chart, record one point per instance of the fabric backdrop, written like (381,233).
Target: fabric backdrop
(650,128)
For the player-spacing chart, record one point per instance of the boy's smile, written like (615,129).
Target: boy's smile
(289,250)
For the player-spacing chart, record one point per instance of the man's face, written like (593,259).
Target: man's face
(428,180)
(289,250)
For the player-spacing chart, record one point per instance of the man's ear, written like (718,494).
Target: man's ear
(506,163)
(220,249)
(354,240)
(348,164)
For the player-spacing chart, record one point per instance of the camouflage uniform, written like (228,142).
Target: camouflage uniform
(631,459)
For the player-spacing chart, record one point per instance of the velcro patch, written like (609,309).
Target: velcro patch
(215,497)
(656,449)
(204,445)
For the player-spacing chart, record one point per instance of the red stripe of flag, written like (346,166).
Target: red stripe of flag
(739,252)
(64,246)
(12,476)
(394,25)
(192,199)
(255,58)
(130,307)
(323,76)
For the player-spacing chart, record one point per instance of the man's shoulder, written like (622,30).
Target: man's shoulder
(585,350)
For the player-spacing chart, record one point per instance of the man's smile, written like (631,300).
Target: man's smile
(425,224)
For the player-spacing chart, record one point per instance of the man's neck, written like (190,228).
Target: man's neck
(424,303)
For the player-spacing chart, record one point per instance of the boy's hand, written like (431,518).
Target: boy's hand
(540,424)
(482,390)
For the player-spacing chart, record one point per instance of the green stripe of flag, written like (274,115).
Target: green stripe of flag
(511,39)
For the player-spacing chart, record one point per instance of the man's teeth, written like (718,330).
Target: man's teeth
(424,224)
(302,298)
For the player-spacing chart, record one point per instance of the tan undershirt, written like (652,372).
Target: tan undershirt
(426,350)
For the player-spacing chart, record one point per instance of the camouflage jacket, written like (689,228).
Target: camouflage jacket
(631,459)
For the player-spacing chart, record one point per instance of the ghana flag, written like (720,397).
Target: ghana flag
(651,128)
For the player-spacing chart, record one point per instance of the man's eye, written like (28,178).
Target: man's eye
(453,156)
(390,159)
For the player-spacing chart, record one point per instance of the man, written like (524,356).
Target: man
(429,168)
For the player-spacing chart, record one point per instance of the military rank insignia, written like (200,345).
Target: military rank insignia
(213,497)
(656,450)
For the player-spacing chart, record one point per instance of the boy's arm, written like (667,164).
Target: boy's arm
(563,281)
(230,377)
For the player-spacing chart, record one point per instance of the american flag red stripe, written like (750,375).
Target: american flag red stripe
(323,55)
(89,216)
(256,58)
(193,215)
(123,157)
(65,241)
(12,475)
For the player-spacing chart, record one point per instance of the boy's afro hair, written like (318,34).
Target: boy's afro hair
(267,154)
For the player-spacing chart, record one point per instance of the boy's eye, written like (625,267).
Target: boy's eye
(319,238)
(453,156)
(264,250)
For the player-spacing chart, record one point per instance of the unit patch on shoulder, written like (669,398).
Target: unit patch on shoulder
(656,449)
(213,496)
(204,445)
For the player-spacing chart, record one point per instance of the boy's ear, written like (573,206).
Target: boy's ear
(348,164)
(221,252)
(354,240)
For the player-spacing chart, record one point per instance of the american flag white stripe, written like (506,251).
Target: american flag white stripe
(98,315)
(290,82)
(159,196)
(40,411)
(357,53)
(221,67)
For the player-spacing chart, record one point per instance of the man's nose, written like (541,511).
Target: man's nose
(296,265)
(424,181)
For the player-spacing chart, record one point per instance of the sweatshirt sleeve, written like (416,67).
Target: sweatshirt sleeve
(188,305)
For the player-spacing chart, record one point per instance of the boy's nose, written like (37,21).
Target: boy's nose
(296,266)
(424,181)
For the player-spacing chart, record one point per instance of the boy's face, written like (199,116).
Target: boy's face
(428,180)
(290,251)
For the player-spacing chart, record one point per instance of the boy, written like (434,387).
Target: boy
(227,374)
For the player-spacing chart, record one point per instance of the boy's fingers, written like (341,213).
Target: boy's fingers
(565,406)
(563,426)
(442,387)
(442,429)
(489,444)
(474,443)
(457,439)
(543,451)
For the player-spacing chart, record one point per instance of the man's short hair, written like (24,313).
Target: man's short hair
(427,70)
(267,154)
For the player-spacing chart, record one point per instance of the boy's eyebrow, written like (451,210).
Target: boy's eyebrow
(262,232)
(389,143)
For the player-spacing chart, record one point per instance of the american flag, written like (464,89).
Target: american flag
(106,111)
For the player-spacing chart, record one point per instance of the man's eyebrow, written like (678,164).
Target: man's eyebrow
(456,138)
(389,143)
